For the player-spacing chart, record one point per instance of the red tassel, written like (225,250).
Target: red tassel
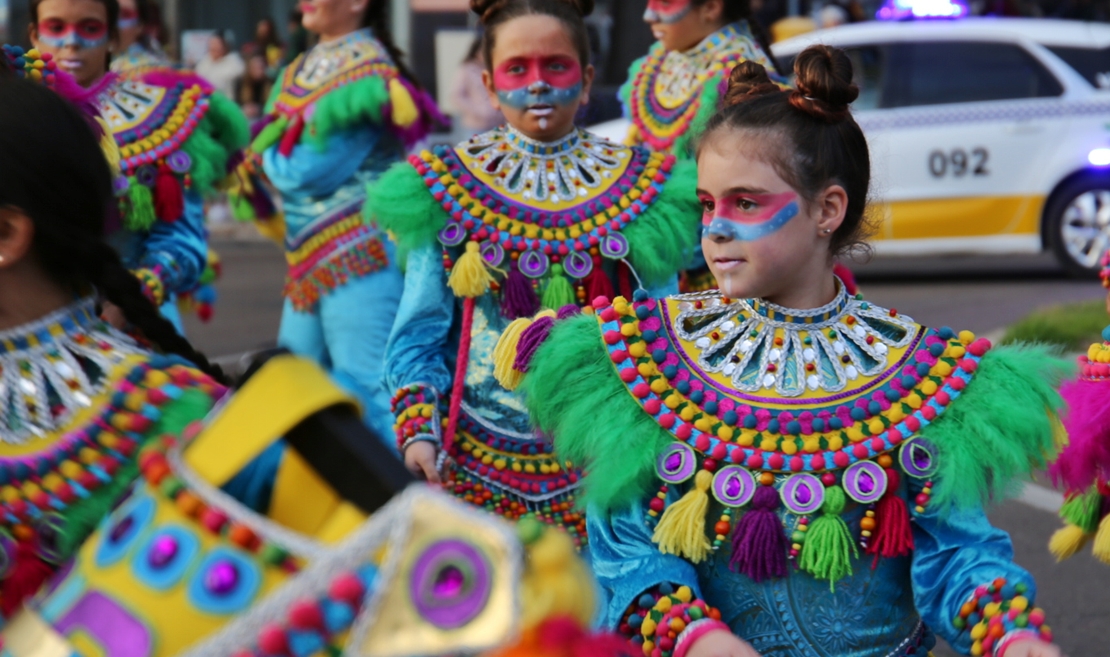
(169,198)
(461,363)
(27,575)
(624,279)
(598,283)
(893,535)
(292,136)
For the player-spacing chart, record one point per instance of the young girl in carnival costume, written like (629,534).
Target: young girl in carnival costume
(1083,468)
(534,214)
(338,117)
(175,138)
(77,398)
(138,55)
(778,462)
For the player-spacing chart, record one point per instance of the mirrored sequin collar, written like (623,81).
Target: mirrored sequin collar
(54,367)
(681,74)
(327,59)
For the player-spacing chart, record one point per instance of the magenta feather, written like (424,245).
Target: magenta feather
(1087,456)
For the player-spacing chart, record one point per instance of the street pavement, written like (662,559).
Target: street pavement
(979,294)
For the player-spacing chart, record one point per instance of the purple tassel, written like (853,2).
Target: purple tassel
(260,201)
(569,310)
(530,341)
(518,299)
(759,544)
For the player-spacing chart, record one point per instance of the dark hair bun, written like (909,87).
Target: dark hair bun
(823,77)
(746,81)
(487,9)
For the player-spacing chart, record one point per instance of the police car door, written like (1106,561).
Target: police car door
(963,124)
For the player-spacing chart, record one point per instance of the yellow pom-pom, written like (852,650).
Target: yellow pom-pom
(1067,541)
(404,111)
(664,605)
(1020,602)
(470,278)
(648,627)
(979,631)
(684,593)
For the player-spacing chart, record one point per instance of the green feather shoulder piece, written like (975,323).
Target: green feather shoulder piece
(349,105)
(222,132)
(1002,427)
(401,204)
(664,237)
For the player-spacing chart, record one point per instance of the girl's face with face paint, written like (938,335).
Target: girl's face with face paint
(536,78)
(76,33)
(760,238)
(679,25)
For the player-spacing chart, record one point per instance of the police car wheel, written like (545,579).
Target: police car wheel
(1078,225)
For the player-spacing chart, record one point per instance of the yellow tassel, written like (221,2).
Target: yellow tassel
(1059,432)
(681,530)
(1067,541)
(504,354)
(109,146)
(1101,549)
(273,228)
(469,276)
(404,107)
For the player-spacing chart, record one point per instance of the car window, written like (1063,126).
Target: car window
(1092,64)
(935,72)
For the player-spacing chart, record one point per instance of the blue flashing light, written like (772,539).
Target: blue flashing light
(900,10)
(1099,157)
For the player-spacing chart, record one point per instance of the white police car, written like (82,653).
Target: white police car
(987,135)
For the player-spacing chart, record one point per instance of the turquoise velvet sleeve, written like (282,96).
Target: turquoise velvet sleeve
(178,250)
(954,552)
(420,346)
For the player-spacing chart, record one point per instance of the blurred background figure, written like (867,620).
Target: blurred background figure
(140,45)
(298,37)
(221,66)
(267,44)
(255,87)
(470,98)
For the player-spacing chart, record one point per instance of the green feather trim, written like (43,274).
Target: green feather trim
(270,135)
(1001,427)
(82,517)
(664,237)
(684,145)
(574,394)
(401,204)
(344,107)
(1083,511)
(221,132)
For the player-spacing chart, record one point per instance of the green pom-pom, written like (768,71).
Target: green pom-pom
(558,292)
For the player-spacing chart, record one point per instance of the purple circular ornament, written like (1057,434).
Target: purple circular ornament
(533,264)
(146,175)
(865,482)
(578,264)
(614,245)
(451,583)
(802,494)
(222,578)
(677,463)
(179,162)
(453,234)
(918,458)
(162,552)
(733,486)
(120,185)
(49,533)
(493,253)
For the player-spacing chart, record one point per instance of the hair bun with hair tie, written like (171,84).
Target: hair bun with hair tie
(485,9)
(748,80)
(823,78)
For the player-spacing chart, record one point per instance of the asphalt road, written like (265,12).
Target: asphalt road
(978,294)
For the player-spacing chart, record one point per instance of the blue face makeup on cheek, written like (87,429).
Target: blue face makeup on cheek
(750,232)
(71,38)
(524,97)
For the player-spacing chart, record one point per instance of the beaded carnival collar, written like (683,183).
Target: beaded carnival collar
(784,390)
(151,123)
(543,202)
(666,92)
(329,65)
(54,367)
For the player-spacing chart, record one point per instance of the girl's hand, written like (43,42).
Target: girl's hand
(720,643)
(1031,648)
(420,459)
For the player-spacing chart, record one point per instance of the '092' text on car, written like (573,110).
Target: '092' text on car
(987,135)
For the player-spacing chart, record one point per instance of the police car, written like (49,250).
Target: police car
(988,136)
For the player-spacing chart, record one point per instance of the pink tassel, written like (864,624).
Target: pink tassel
(169,198)
(27,575)
(759,544)
(461,364)
(893,536)
(518,298)
(292,136)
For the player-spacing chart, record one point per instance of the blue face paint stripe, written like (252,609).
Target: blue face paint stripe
(521,98)
(72,39)
(751,232)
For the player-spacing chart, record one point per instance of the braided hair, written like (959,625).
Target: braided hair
(377,19)
(820,143)
(52,169)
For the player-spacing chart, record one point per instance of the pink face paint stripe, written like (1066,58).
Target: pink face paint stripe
(521,72)
(772,212)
